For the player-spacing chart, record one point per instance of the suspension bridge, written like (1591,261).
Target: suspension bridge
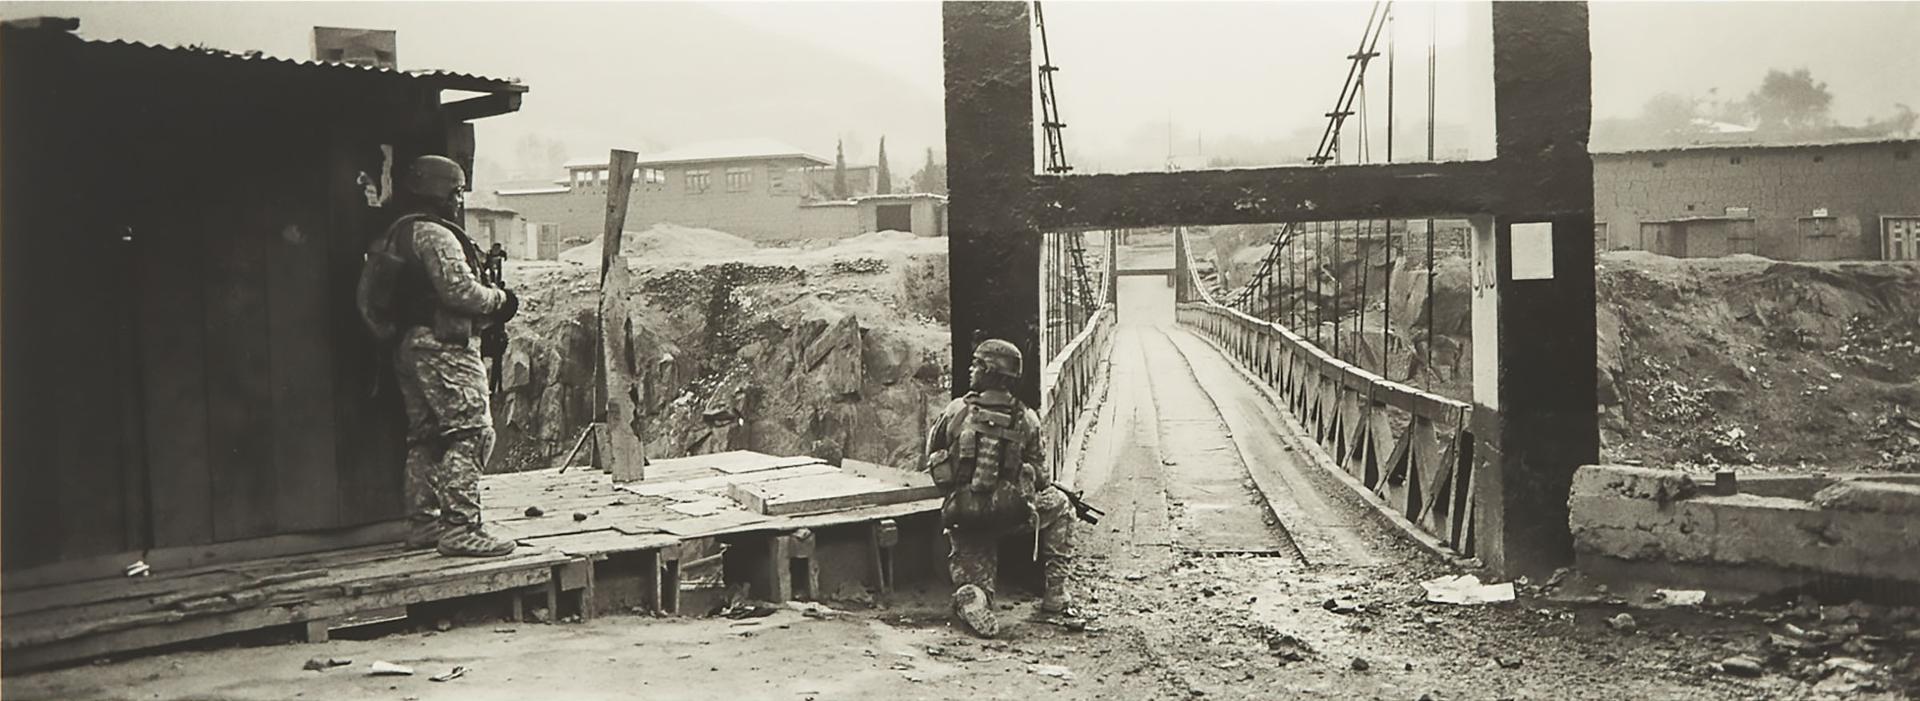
(1303,347)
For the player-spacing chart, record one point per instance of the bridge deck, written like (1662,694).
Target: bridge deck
(1180,415)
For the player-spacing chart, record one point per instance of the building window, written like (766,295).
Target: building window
(699,180)
(653,176)
(776,179)
(739,179)
(600,176)
(1734,160)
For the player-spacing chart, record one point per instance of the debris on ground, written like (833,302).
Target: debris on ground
(747,609)
(813,609)
(579,516)
(1622,622)
(1343,606)
(450,675)
(389,669)
(1466,590)
(1680,597)
(1360,664)
(542,615)
(534,512)
(443,625)
(319,664)
(1741,666)
(1051,670)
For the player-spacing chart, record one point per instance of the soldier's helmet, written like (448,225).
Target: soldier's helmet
(434,177)
(1000,356)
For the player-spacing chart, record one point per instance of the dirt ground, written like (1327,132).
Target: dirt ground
(1346,620)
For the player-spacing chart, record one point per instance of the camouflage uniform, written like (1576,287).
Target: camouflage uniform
(975,557)
(443,383)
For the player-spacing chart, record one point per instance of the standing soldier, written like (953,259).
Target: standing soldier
(493,340)
(986,456)
(440,304)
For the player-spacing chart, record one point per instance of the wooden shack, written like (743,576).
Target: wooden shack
(185,377)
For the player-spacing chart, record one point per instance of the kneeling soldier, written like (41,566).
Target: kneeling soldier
(986,456)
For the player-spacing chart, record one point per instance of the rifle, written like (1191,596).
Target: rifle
(1081,509)
(493,339)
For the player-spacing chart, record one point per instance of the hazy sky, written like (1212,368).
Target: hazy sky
(1229,74)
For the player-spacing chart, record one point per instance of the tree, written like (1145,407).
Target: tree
(1900,124)
(840,171)
(1668,115)
(885,175)
(932,177)
(1791,101)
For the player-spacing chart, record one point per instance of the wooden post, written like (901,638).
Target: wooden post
(626,453)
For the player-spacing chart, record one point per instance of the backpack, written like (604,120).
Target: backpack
(982,473)
(380,279)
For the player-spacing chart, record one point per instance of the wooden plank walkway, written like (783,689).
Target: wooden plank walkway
(583,518)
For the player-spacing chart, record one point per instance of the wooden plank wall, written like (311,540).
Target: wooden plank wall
(179,314)
(67,355)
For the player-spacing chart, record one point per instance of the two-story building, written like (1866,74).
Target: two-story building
(757,189)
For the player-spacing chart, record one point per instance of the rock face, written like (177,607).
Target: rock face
(781,359)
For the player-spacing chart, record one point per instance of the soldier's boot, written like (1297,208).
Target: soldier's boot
(474,542)
(971,606)
(424,535)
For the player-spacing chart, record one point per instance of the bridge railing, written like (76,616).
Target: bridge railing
(1411,449)
(1067,383)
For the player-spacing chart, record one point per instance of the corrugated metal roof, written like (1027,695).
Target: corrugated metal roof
(1758,146)
(442,78)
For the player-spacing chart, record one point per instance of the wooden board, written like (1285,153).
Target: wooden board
(88,400)
(468,580)
(741,461)
(722,482)
(727,521)
(369,429)
(824,493)
(173,342)
(300,355)
(239,394)
(597,543)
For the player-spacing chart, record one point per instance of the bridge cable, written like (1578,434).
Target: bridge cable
(1329,146)
(1071,282)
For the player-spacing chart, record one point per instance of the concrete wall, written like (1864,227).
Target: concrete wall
(929,212)
(487,226)
(772,205)
(1780,186)
(1635,521)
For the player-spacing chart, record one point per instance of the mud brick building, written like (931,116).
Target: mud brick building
(757,189)
(1817,201)
(187,377)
